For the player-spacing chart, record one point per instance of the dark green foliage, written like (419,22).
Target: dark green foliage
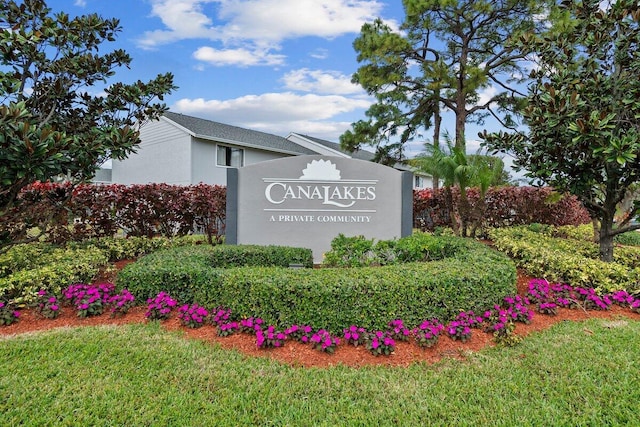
(180,271)
(630,238)
(583,111)
(475,278)
(51,64)
(359,251)
(253,255)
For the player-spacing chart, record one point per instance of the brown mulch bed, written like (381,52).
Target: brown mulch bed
(297,354)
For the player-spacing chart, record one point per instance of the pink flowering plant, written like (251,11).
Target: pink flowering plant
(160,307)
(220,316)
(121,303)
(500,323)
(380,342)
(300,333)
(47,305)
(226,328)
(192,316)
(355,335)
(270,338)
(550,308)
(460,328)
(323,341)
(8,313)
(89,300)
(427,333)
(622,298)
(251,325)
(591,299)
(398,331)
(517,308)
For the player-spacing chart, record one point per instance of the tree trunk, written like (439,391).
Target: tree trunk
(596,230)
(448,196)
(436,143)
(606,240)
(464,209)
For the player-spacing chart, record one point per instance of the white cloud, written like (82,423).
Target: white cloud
(320,81)
(241,57)
(486,94)
(80,3)
(279,113)
(277,20)
(319,54)
(262,22)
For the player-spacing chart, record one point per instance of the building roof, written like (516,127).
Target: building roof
(208,129)
(358,154)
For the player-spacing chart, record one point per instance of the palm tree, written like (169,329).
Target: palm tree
(455,168)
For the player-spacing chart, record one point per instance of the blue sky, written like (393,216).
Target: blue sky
(277,66)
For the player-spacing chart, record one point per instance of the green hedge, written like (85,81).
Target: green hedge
(25,269)
(119,248)
(475,277)
(568,260)
(182,270)
(225,256)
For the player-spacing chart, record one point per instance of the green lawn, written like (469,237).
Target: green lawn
(573,374)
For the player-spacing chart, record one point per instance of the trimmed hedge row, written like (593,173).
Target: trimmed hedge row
(474,278)
(181,271)
(568,260)
(118,248)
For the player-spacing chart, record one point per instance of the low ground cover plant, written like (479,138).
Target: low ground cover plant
(26,269)
(8,313)
(94,299)
(569,260)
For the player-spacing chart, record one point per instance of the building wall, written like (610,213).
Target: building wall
(164,155)
(205,168)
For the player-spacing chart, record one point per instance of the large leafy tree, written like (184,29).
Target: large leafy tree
(446,53)
(583,112)
(59,116)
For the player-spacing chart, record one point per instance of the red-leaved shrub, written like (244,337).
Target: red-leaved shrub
(504,206)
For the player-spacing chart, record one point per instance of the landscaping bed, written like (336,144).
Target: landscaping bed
(298,354)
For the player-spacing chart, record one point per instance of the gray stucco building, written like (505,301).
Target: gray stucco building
(180,149)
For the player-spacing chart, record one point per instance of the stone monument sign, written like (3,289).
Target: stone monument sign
(306,201)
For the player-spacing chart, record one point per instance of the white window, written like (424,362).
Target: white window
(230,156)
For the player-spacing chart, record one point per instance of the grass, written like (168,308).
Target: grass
(572,374)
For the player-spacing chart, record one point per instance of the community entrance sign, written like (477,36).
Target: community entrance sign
(306,201)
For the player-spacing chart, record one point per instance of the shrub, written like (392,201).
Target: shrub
(181,270)
(8,313)
(568,260)
(120,248)
(630,238)
(225,256)
(47,305)
(346,251)
(47,268)
(92,211)
(178,271)
(505,206)
(361,252)
(476,277)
